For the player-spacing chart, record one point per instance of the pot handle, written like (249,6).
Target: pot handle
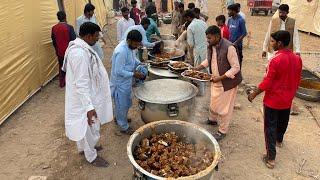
(141,105)
(173,110)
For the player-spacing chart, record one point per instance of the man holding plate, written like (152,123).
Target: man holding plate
(223,63)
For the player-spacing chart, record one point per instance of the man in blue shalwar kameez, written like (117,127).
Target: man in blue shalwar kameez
(123,72)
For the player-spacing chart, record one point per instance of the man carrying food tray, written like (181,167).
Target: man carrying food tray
(223,63)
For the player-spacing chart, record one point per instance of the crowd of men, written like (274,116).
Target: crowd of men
(92,99)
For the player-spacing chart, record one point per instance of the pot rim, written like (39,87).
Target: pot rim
(217,153)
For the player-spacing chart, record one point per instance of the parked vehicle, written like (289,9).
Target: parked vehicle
(256,6)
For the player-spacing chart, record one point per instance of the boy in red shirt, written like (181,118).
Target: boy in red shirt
(221,22)
(280,85)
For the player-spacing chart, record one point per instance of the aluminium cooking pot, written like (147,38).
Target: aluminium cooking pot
(166,99)
(181,128)
(309,88)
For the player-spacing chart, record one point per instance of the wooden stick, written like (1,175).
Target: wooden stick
(309,108)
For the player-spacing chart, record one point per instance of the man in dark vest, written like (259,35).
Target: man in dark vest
(283,22)
(223,63)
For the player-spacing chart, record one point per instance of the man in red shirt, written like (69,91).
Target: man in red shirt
(221,22)
(135,12)
(61,34)
(280,84)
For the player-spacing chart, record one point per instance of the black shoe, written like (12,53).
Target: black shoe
(219,136)
(100,162)
(129,131)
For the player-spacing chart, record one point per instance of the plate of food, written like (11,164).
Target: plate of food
(159,62)
(178,66)
(196,75)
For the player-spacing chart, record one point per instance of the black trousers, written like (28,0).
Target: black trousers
(275,126)
(62,74)
(240,54)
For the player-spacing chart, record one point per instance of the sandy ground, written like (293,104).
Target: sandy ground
(33,143)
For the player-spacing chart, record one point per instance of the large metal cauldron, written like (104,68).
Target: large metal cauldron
(181,128)
(168,40)
(307,93)
(166,99)
(179,54)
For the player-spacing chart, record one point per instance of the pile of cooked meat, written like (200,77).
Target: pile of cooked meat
(167,155)
(165,55)
(197,75)
(179,65)
(158,60)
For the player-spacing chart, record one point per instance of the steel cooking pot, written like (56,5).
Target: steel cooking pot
(181,128)
(166,99)
(309,94)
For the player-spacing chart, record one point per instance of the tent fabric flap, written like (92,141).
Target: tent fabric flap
(28,59)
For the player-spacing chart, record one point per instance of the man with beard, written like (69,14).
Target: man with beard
(88,96)
(124,64)
(283,22)
(223,63)
(88,16)
(124,23)
(280,85)
(237,28)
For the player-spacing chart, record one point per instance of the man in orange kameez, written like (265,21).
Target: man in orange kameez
(223,63)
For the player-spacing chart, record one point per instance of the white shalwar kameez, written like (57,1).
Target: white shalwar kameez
(87,88)
(97,46)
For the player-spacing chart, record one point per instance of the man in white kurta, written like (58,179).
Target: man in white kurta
(88,96)
(89,16)
(124,23)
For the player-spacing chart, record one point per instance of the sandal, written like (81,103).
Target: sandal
(266,161)
(279,144)
(219,136)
